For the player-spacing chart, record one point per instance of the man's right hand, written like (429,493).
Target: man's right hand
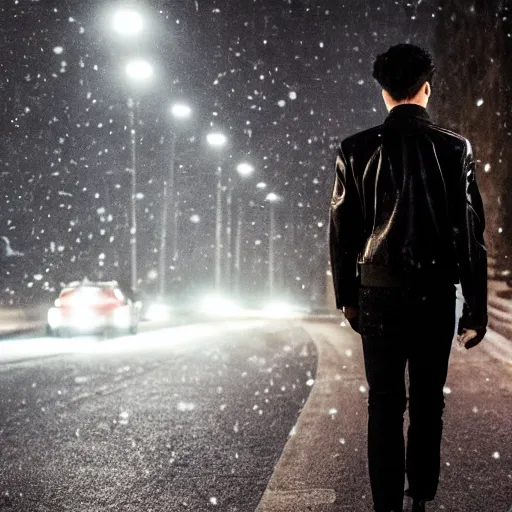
(470,338)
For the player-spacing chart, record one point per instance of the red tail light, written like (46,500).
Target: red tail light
(104,299)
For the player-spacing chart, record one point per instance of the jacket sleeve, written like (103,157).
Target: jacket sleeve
(469,226)
(345,234)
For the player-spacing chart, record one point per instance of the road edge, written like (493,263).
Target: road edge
(287,489)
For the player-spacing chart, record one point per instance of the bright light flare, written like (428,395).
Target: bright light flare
(54,318)
(158,312)
(245,169)
(216,139)
(281,309)
(272,198)
(127,23)
(200,335)
(181,111)
(121,318)
(139,70)
(215,305)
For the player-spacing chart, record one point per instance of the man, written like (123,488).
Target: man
(406,224)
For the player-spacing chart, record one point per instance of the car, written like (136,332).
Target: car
(93,308)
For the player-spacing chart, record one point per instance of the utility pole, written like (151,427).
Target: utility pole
(168,196)
(218,140)
(229,230)
(272,198)
(238,245)
(133,227)
(218,230)
(271,253)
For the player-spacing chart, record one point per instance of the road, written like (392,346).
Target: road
(252,415)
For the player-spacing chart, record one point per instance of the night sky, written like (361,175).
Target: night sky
(284,80)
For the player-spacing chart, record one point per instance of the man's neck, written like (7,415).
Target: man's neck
(393,105)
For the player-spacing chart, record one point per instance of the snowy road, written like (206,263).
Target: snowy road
(206,417)
(188,418)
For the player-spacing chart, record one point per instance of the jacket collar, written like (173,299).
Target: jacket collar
(408,111)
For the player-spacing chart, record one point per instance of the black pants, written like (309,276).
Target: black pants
(413,325)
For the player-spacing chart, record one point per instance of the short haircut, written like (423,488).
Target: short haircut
(403,69)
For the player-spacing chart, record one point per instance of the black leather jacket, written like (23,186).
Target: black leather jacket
(406,205)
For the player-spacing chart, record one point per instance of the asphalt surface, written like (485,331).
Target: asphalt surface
(178,421)
(323,467)
(207,418)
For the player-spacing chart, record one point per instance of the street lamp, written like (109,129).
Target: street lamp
(138,71)
(178,111)
(245,170)
(181,111)
(272,198)
(218,140)
(127,22)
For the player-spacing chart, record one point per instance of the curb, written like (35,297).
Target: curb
(306,476)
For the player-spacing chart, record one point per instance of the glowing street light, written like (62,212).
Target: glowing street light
(181,111)
(261,185)
(245,169)
(272,198)
(127,22)
(139,70)
(216,139)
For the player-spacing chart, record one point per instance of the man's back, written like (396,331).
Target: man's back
(406,172)
(406,202)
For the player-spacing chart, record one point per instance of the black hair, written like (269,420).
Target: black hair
(403,69)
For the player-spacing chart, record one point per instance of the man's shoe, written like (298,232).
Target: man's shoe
(418,506)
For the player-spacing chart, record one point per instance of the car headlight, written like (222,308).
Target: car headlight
(54,318)
(158,312)
(121,317)
(216,305)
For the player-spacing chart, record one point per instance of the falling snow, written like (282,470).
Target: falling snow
(283,103)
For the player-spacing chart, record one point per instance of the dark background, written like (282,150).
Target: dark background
(65,143)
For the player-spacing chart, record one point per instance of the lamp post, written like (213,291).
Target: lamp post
(245,170)
(138,71)
(178,111)
(272,199)
(127,22)
(218,140)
